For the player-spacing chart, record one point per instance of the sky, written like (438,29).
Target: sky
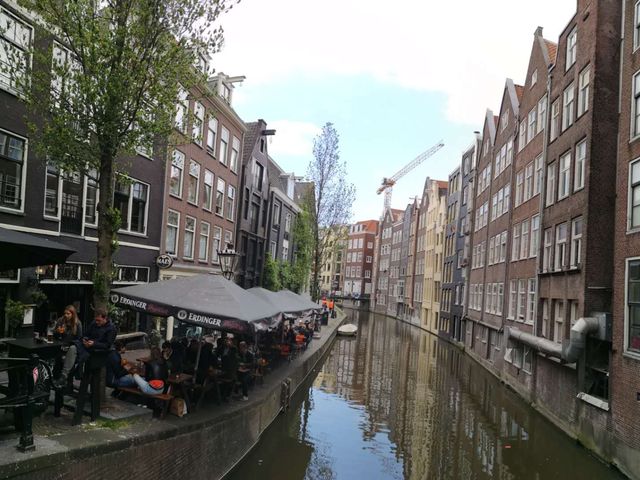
(394,78)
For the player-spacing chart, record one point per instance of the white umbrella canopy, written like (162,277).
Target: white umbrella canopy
(207,300)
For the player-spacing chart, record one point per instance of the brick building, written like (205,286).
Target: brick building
(625,356)
(405,275)
(359,259)
(521,282)
(450,309)
(383,290)
(63,205)
(395,299)
(202,182)
(283,211)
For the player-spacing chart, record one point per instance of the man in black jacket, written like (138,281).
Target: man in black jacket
(99,337)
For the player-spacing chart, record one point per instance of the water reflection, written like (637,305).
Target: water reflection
(395,402)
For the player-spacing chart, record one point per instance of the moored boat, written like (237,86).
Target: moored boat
(348,330)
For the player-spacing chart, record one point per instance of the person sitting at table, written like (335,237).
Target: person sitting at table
(229,363)
(68,330)
(245,367)
(156,374)
(172,356)
(98,338)
(119,370)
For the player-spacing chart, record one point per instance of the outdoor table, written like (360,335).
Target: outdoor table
(23,347)
(210,382)
(181,381)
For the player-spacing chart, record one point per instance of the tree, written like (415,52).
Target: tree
(333,197)
(271,274)
(303,247)
(110,85)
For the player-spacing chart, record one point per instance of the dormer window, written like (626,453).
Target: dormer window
(225,93)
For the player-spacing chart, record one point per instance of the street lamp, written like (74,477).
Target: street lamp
(228,258)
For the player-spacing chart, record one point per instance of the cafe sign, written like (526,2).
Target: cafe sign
(164,261)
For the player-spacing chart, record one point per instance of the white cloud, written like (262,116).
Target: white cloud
(464,49)
(292,138)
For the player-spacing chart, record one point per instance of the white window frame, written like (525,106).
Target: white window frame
(212,135)
(564,176)
(177,161)
(584,81)
(131,181)
(532,129)
(551,181)
(554,131)
(560,252)
(208,205)
(207,236)
(197,129)
(194,172)
(515,243)
(634,353)
(636,26)
(579,169)
(568,106)
(535,231)
(634,185)
(524,239)
(231,202)
(531,301)
(177,228)
(15,42)
(193,237)
(576,242)
(635,106)
(542,113)
(216,238)
(547,253)
(222,193)
(572,41)
(235,155)
(224,146)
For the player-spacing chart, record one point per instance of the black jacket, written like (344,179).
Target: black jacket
(103,337)
(115,369)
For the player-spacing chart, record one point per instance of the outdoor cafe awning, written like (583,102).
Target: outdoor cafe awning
(301,304)
(20,250)
(206,300)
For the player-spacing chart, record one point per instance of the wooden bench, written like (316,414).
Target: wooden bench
(165,398)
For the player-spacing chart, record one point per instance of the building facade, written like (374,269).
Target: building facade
(283,211)
(359,259)
(434,251)
(202,183)
(450,309)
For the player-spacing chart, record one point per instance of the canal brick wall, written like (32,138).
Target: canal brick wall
(206,444)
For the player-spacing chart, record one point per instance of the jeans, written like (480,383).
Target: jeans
(69,360)
(125,381)
(144,386)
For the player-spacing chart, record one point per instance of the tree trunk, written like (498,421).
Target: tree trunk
(108,224)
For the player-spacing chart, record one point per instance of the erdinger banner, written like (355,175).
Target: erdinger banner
(184,315)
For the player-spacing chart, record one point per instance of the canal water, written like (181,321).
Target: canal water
(397,403)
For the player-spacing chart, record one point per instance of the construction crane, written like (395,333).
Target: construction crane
(388,183)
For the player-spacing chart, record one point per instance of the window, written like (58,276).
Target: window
(257,174)
(558,322)
(91,198)
(504,121)
(15,42)
(203,247)
(527,359)
(515,244)
(194,182)
(531,304)
(224,145)
(519,185)
(177,166)
(636,26)
(524,239)
(571,48)
(576,242)
(228,239)
(528,182)
(568,101)
(548,250)
(564,176)
(578,174)
(171,237)
(208,190)
(632,317)
(542,113)
(522,135)
(287,227)
(212,135)
(189,237)
(182,108)
(509,153)
(534,78)
(12,160)
(532,130)
(130,198)
(537,178)
(555,120)
(560,256)
(231,201)
(220,197)
(217,239)
(535,229)
(544,330)
(235,152)
(551,184)
(51,192)
(583,91)
(522,300)
(197,132)
(503,246)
